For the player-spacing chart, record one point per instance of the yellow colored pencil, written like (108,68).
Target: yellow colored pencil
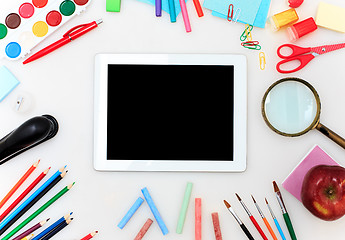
(265,221)
(28,237)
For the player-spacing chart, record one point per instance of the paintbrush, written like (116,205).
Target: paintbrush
(275,221)
(252,218)
(284,211)
(244,228)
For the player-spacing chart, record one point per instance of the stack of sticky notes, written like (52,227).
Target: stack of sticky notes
(316,156)
(331,17)
(252,12)
(7,82)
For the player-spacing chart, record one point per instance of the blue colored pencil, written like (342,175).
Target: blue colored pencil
(31,198)
(51,227)
(130,212)
(275,221)
(154,210)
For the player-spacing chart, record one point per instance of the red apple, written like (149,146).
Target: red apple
(323,191)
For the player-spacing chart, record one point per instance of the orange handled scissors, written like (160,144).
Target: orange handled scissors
(303,55)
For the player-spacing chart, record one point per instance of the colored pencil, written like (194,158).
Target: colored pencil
(51,227)
(28,237)
(185,15)
(18,184)
(284,211)
(30,230)
(32,202)
(57,229)
(144,229)
(27,201)
(38,211)
(184,208)
(216,226)
(23,195)
(89,236)
(275,221)
(252,218)
(265,220)
(239,221)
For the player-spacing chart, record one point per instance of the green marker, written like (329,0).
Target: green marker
(113,5)
(184,208)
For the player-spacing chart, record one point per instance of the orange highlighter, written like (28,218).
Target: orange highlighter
(68,37)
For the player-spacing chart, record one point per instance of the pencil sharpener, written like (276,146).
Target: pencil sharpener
(31,133)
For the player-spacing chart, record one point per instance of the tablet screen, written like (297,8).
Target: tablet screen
(170,112)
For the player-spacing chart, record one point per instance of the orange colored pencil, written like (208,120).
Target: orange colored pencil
(89,236)
(18,184)
(265,221)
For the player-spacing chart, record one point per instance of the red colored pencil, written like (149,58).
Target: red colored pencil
(252,219)
(89,236)
(18,184)
(32,185)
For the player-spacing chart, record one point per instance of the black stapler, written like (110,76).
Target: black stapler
(31,133)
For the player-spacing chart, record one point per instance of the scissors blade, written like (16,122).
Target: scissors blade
(327,48)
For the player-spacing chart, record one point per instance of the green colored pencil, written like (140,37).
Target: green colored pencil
(38,211)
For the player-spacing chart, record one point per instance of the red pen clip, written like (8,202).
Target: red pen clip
(67,34)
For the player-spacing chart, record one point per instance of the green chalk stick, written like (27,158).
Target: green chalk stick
(184,208)
(113,5)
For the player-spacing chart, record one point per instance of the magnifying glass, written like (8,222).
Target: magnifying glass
(291,107)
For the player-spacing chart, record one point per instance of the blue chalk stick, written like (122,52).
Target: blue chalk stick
(130,212)
(154,210)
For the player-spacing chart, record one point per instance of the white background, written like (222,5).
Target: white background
(61,84)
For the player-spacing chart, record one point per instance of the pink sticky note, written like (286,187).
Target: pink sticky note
(293,183)
(197,218)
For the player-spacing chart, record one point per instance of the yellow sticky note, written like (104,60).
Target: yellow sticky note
(331,17)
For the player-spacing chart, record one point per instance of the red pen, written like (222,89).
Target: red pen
(68,37)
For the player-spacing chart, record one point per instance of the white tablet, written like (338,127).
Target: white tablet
(170,112)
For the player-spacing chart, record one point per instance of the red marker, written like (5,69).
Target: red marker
(68,37)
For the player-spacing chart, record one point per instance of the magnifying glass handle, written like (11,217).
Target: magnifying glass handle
(332,135)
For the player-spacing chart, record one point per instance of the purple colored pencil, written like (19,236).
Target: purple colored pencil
(30,230)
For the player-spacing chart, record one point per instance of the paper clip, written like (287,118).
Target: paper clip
(247,32)
(251,45)
(262,60)
(236,15)
(230,12)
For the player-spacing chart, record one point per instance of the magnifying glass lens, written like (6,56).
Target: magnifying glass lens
(291,107)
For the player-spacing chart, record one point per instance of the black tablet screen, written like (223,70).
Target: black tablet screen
(170,112)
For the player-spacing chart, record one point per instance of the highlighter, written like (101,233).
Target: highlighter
(302,28)
(283,19)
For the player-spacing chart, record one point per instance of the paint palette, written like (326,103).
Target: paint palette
(33,21)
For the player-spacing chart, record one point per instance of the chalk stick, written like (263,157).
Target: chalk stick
(216,226)
(130,213)
(155,211)
(144,229)
(184,207)
(197,218)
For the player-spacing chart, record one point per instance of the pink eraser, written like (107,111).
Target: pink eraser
(216,226)
(197,218)
(144,229)
(316,156)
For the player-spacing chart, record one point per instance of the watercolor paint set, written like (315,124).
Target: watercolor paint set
(32,21)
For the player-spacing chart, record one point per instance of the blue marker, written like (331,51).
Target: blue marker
(31,198)
(276,221)
(172,11)
(130,212)
(154,210)
(51,227)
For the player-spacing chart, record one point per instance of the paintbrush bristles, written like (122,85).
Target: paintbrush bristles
(227,204)
(253,198)
(239,199)
(275,186)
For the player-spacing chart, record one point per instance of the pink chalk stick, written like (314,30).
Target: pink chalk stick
(197,218)
(216,226)
(144,229)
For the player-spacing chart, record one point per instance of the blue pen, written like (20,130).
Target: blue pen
(51,227)
(32,197)
(130,212)
(276,221)
(154,211)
